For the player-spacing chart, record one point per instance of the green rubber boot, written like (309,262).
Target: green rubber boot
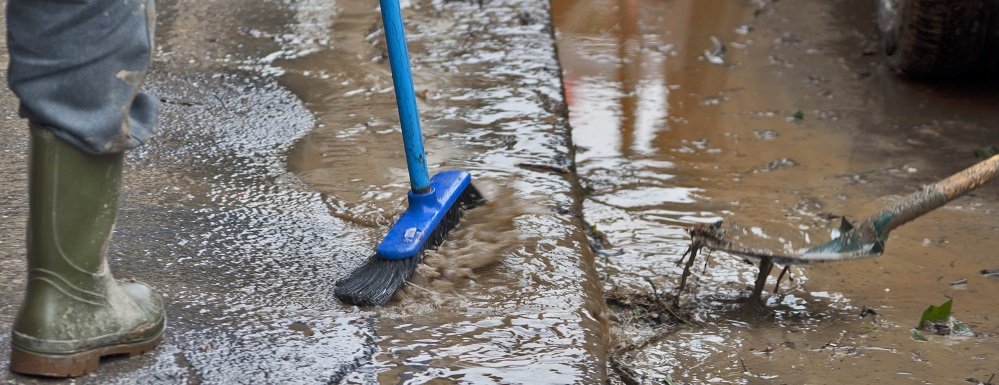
(74,312)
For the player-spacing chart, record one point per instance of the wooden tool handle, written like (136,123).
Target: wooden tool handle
(937,194)
(969,179)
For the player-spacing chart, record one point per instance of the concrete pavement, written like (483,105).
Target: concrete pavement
(246,251)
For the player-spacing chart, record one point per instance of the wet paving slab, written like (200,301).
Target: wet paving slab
(278,167)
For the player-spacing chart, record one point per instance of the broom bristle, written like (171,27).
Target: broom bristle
(376,281)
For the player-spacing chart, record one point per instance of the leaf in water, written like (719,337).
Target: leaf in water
(936,314)
(916,335)
(670,381)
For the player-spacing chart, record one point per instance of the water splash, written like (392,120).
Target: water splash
(485,235)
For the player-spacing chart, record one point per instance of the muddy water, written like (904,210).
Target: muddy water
(779,117)
(512,296)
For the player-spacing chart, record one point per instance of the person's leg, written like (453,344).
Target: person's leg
(77,67)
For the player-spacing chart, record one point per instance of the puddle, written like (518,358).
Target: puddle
(508,298)
(771,116)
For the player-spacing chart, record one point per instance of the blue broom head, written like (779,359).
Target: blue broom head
(424,225)
(415,229)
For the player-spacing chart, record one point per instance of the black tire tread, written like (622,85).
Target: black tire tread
(946,38)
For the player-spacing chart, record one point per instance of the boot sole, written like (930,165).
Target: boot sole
(76,364)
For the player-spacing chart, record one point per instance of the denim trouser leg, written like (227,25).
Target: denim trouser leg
(78,66)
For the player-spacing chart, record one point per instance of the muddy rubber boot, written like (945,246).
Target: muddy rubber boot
(74,312)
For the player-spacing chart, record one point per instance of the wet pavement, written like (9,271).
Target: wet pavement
(779,117)
(278,167)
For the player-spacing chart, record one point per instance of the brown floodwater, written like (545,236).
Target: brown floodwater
(779,117)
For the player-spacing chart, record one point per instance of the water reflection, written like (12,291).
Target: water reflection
(755,112)
(655,121)
(634,78)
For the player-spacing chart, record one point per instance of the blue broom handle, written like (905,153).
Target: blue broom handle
(402,78)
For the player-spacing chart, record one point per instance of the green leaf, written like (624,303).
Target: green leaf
(670,381)
(916,335)
(798,115)
(936,314)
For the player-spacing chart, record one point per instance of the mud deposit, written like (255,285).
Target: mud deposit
(780,117)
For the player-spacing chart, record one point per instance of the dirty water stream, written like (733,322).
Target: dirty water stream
(778,117)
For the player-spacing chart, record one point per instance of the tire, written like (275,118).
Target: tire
(938,39)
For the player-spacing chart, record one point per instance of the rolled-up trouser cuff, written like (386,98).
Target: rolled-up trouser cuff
(78,68)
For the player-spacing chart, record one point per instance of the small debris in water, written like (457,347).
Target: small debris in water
(990,273)
(301,327)
(986,152)
(787,38)
(961,281)
(766,134)
(977,382)
(599,238)
(713,100)
(648,308)
(765,351)
(715,55)
(777,165)
(866,311)
(544,168)
(798,115)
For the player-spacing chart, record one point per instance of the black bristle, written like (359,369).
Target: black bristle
(376,281)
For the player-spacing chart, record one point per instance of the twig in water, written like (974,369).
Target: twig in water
(685,253)
(766,265)
(663,306)
(695,246)
(627,374)
(786,270)
(655,291)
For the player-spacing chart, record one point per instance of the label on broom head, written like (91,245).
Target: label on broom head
(411,234)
